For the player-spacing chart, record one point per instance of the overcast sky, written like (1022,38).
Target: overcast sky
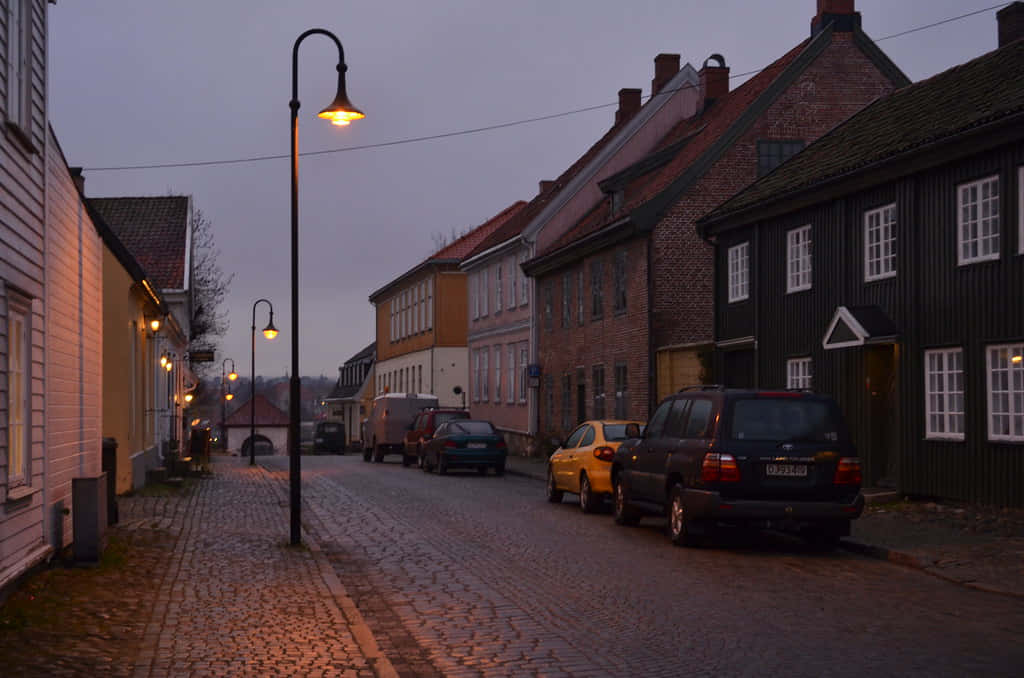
(143,82)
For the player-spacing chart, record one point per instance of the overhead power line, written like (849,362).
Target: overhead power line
(486,128)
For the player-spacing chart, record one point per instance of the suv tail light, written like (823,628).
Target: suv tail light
(848,472)
(604,453)
(500,445)
(719,468)
(450,443)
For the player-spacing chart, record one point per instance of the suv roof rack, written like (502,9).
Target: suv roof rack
(703,387)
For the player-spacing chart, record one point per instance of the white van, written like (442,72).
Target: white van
(392,414)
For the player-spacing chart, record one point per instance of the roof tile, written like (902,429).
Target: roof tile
(154,230)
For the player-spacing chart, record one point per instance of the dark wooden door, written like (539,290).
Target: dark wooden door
(882,381)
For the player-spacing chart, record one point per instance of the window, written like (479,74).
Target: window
(739,272)
(978,220)
(419,389)
(944,393)
(798,373)
(510,385)
(657,423)
(549,389)
(771,154)
(573,440)
(485,275)
(476,375)
(597,288)
(579,296)
(19,20)
(621,392)
(524,292)
(474,294)
(484,387)
(566,300)
(394,329)
(619,280)
(699,420)
(798,259)
(880,243)
(497,375)
(430,303)
(513,281)
(18,396)
(1006,392)
(581,394)
(588,438)
(597,379)
(499,289)
(423,305)
(416,309)
(548,294)
(567,402)
(523,358)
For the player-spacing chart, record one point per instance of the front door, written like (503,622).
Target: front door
(882,382)
(738,368)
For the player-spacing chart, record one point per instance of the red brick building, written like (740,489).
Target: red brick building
(624,306)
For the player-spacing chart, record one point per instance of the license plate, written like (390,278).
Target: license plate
(477,446)
(787,470)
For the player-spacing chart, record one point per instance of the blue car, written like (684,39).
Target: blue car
(465,443)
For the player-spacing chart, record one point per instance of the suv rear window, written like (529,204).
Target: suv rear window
(442,417)
(783,419)
(471,427)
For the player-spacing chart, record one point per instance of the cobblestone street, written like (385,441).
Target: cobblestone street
(405,573)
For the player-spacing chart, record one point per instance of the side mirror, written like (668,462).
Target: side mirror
(633,431)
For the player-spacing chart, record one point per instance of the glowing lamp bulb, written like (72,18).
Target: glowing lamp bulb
(1017,360)
(154,324)
(233,375)
(229,396)
(270,333)
(188,397)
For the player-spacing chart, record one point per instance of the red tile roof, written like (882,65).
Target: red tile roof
(694,136)
(467,243)
(267,414)
(154,230)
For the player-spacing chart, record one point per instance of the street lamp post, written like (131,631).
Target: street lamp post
(339,112)
(232,375)
(269,332)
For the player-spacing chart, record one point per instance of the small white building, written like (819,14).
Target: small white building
(271,428)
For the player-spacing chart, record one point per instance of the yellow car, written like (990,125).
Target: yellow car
(582,464)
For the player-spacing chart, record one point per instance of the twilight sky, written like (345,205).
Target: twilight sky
(136,82)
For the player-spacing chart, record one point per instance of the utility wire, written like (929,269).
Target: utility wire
(487,128)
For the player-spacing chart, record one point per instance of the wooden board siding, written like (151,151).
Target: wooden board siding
(934,302)
(450,305)
(74,344)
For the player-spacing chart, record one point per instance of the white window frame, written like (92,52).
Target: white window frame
(524,358)
(485,275)
(393,320)
(1013,407)
(799,373)
(19,396)
(497,374)
(798,259)
(485,354)
(739,272)
(430,303)
(476,375)
(524,288)
(18,104)
(970,231)
(510,387)
(474,294)
(880,253)
(513,281)
(944,393)
(499,291)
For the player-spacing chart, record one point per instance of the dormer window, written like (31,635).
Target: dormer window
(617,199)
(771,154)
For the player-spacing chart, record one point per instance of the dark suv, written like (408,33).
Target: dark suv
(421,431)
(773,459)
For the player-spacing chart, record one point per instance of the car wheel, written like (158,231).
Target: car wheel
(624,513)
(499,469)
(442,465)
(554,494)
(588,500)
(680,525)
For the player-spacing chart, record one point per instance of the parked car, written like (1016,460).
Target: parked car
(389,420)
(773,459)
(582,464)
(329,437)
(422,430)
(465,443)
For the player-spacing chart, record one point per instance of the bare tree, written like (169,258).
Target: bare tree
(442,240)
(210,285)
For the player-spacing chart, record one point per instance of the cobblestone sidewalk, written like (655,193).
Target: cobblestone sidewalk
(203,583)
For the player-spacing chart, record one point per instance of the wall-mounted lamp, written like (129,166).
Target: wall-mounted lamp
(189,397)
(163,360)
(154,323)
(1017,360)
(229,396)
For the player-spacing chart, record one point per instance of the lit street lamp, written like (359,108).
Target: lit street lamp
(339,112)
(269,332)
(232,375)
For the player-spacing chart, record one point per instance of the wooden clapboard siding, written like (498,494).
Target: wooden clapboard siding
(450,314)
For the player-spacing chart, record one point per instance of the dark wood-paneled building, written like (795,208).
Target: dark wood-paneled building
(884,264)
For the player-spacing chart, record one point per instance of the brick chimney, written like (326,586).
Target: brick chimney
(714,80)
(665,68)
(629,104)
(840,13)
(1011,23)
(545,184)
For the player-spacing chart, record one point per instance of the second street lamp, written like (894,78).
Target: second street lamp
(339,112)
(223,396)
(269,332)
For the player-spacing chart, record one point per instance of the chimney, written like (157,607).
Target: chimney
(714,80)
(840,13)
(665,68)
(545,184)
(629,104)
(1011,23)
(78,178)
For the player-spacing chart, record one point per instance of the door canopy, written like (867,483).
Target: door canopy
(859,325)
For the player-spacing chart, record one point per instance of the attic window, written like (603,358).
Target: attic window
(617,198)
(771,154)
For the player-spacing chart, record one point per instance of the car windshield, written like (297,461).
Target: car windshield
(784,419)
(479,428)
(615,432)
(442,417)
